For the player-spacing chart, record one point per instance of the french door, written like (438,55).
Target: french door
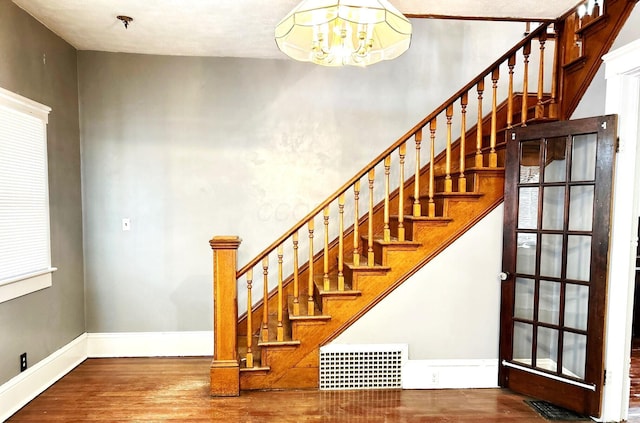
(556,242)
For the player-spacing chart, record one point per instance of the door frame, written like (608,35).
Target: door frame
(622,98)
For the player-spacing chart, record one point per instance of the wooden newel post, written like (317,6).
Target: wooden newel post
(225,369)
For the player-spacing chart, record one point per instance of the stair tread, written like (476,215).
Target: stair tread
(364,266)
(333,287)
(392,241)
(425,218)
(303,316)
(272,327)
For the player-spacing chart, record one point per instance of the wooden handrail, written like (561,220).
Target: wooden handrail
(404,138)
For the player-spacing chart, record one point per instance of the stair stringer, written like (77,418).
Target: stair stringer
(297,367)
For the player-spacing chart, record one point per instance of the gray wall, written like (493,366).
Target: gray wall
(42,322)
(190,147)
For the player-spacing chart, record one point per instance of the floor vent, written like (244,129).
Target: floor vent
(345,367)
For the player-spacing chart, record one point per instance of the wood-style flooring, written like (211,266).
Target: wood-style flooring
(177,390)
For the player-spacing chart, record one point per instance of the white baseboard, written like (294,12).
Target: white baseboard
(450,374)
(18,391)
(150,344)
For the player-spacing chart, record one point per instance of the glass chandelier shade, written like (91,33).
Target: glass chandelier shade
(343,32)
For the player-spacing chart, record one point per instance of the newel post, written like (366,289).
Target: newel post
(225,370)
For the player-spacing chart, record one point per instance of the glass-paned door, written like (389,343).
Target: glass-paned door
(556,236)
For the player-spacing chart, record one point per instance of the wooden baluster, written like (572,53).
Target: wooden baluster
(525,83)
(249,362)
(553,106)
(310,303)
(479,161)
(448,182)
(539,113)
(370,258)
(402,153)
(280,329)
(325,279)
(265,299)
(417,210)
(462,179)
(432,181)
(296,287)
(596,9)
(356,222)
(341,243)
(493,156)
(511,63)
(386,231)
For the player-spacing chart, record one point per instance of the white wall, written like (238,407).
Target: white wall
(446,310)
(188,148)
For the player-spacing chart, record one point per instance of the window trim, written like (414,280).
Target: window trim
(25,284)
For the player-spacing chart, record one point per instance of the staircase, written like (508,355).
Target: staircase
(396,214)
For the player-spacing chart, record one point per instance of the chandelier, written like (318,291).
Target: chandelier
(343,32)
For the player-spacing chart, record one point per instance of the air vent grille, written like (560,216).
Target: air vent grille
(344,367)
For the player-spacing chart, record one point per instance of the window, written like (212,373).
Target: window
(25,256)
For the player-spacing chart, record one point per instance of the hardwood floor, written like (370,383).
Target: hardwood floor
(176,389)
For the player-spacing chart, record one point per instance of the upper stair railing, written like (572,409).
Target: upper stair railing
(411,198)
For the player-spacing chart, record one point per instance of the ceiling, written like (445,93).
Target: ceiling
(234,28)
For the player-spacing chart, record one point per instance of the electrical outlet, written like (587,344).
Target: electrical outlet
(435,377)
(23,362)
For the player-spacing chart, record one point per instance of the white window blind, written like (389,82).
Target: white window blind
(25,258)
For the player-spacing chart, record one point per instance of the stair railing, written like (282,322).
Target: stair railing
(389,202)
(412,193)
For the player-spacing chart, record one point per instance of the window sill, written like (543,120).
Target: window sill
(17,287)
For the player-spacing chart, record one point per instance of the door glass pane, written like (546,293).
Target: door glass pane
(547,349)
(524,298)
(549,302)
(574,352)
(530,162)
(576,306)
(578,257)
(555,169)
(528,208)
(522,342)
(526,254)
(583,157)
(550,255)
(581,208)
(553,208)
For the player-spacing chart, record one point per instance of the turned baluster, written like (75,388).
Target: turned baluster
(493,156)
(402,153)
(325,278)
(310,303)
(370,231)
(525,83)
(553,106)
(432,205)
(280,329)
(356,221)
(417,210)
(479,162)
(596,9)
(448,182)
(462,179)
(341,243)
(386,230)
(296,287)
(249,362)
(539,113)
(511,63)
(265,299)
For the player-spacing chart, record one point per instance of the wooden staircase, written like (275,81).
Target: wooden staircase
(373,233)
